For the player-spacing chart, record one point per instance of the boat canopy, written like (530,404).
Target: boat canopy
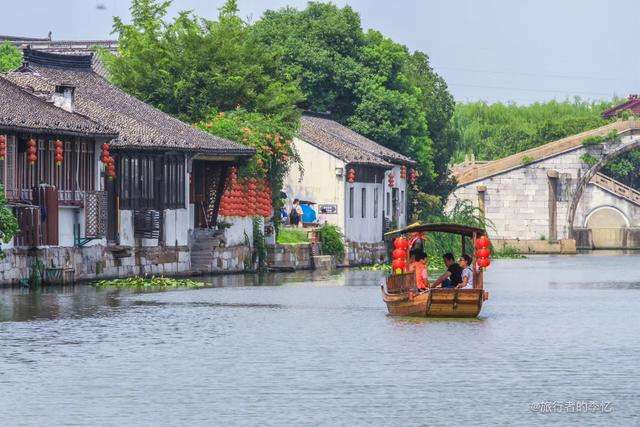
(416,227)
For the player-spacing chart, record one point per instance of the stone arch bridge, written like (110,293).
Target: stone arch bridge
(553,198)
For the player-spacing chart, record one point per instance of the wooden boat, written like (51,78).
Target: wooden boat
(403,298)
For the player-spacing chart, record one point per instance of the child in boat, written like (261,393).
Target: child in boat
(467,272)
(418,265)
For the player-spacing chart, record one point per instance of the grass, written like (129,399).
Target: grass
(149,283)
(292,236)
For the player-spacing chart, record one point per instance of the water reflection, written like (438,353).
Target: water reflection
(307,348)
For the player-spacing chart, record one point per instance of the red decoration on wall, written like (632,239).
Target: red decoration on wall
(32,150)
(3,147)
(403,172)
(351,176)
(391,180)
(59,157)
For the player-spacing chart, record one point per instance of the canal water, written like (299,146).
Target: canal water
(305,349)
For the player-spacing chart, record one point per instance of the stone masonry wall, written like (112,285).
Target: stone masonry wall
(517,201)
(364,254)
(96,262)
(290,257)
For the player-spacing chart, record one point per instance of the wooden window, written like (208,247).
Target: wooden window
(75,175)
(151,181)
(375,203)
(388,210)
(363,207)
(351,202)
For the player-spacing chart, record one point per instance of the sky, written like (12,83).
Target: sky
(519,51)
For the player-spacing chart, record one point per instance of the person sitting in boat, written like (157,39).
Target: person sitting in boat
(453,276)
(467,272)
(418,265)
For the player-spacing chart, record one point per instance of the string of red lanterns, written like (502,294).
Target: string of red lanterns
(108,161)
(399,255)
(3,147)
(59,157)
(403,172)
(483,253)
(32,150)
(391,179)
(246,197)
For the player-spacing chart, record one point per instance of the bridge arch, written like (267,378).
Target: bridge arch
(606,214)
(626,141)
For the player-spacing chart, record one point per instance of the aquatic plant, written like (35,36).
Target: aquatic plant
(138,282)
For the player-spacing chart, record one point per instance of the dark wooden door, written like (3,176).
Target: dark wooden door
(207,185)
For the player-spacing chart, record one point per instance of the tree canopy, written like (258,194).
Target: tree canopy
(10,57)
(367,81)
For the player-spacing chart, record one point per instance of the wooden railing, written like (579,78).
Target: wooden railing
(66,197)
(617,188)
(30,234)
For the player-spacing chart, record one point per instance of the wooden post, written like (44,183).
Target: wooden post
(553,205)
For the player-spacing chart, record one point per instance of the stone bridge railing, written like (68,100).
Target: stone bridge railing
(617,188)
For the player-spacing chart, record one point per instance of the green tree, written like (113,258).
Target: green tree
(368,82)
(10,57)
(8,223)
(190,66)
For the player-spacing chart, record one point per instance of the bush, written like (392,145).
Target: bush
(331,240)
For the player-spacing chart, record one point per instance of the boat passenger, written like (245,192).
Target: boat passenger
(453,276)
(419,265)
(467,272)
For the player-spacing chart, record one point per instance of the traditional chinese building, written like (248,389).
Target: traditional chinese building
(133,184)
(361,184)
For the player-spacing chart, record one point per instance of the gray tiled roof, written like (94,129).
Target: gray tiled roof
(139,125)
(22,111)
(346,144)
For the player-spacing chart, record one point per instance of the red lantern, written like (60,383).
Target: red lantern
(399,253)
(403,172)
(351,175)
(398,264)
(392,180)
(482,242)
(483,253)
(484,262)
(400,243)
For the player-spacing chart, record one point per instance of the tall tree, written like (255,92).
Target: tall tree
(367,81)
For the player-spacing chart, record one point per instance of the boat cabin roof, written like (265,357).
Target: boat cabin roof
(416,227)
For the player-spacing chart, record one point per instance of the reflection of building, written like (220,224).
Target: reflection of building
(139,221)
(359,182)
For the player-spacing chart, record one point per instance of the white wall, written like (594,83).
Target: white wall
(595,197)
(357,228)
(318,182)
(240,230)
